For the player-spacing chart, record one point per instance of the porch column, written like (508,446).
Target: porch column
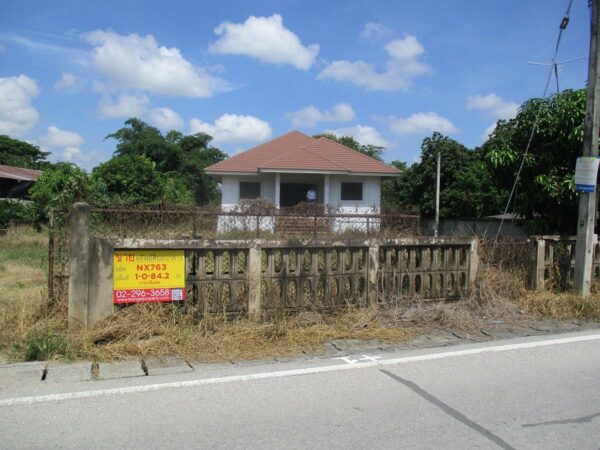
(326,191)
(277,188)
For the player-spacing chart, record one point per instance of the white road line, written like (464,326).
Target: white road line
(291,373)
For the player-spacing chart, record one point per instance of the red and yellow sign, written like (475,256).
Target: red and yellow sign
(148,276)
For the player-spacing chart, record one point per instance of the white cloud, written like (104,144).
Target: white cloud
(138,62)
(165,118)
(422,123)
(489,130)
(494,105)
(66,81)
(55,137)
(126,105)
(364,134)
(266,39)
(71,153)
(138,105)
(17,116)
(401,68)
(232,128)
(311,115)
(375,30)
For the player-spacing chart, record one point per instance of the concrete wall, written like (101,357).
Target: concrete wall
(552,262)
(255,277)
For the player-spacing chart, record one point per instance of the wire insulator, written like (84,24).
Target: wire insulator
(564,23)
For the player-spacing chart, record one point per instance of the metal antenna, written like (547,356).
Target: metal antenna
(554,65)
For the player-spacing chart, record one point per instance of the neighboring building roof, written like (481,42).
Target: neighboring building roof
(18,173)
(295,151)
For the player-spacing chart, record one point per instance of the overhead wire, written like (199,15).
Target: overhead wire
(563,26)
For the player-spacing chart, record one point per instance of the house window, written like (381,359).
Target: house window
(352,191)
(249,190)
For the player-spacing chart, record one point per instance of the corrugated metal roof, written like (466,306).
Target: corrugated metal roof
(19,173)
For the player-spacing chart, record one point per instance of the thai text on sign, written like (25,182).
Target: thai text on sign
(586,173)
(148,276)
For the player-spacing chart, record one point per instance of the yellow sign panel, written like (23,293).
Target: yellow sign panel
(148,276)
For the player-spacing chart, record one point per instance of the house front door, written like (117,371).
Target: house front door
(294,193)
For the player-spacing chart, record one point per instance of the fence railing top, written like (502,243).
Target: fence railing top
(276,213)
(132,243)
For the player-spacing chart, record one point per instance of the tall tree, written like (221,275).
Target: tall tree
(14,152)
(466,189)
(545,195)
(180,158)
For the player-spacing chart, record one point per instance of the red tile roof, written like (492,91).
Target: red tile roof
(297,151)
(18,173)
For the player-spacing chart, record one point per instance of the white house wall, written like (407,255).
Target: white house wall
(371,194)
(230,188)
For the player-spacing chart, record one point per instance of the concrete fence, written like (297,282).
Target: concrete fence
(552,262)
(254,278)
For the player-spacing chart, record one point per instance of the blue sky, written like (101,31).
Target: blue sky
(387,72)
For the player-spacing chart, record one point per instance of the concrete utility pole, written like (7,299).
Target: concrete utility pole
(587,200)
(436,228)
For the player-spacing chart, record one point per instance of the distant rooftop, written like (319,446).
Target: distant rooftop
(19,173)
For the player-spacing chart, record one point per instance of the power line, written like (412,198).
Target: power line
(563,26)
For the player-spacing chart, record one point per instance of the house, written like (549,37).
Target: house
(16,181)
(284,169)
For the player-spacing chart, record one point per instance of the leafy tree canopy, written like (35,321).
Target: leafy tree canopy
(62,185)
(545,194)
(21,154)
(465,189)
(181,158)
(132,180)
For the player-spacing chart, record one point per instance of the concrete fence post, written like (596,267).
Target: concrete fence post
(373,269)
(473,262)
(254,275)
(536,264)
(79,260)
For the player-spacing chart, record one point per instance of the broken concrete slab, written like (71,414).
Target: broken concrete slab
(351,345)
(22,374)
(441,337)
(68,373)
(120,369)
(498,333)
(167,365)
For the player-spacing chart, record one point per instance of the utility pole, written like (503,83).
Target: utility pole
(587,200)
(436,227)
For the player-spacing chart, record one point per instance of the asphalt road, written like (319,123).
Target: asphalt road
(529,393)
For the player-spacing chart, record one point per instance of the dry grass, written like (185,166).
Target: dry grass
(561,306)
(23,272)
(493,299)
(161,330)
(29,330)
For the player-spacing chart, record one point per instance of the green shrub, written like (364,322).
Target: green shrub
(43,343)
(15,211)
